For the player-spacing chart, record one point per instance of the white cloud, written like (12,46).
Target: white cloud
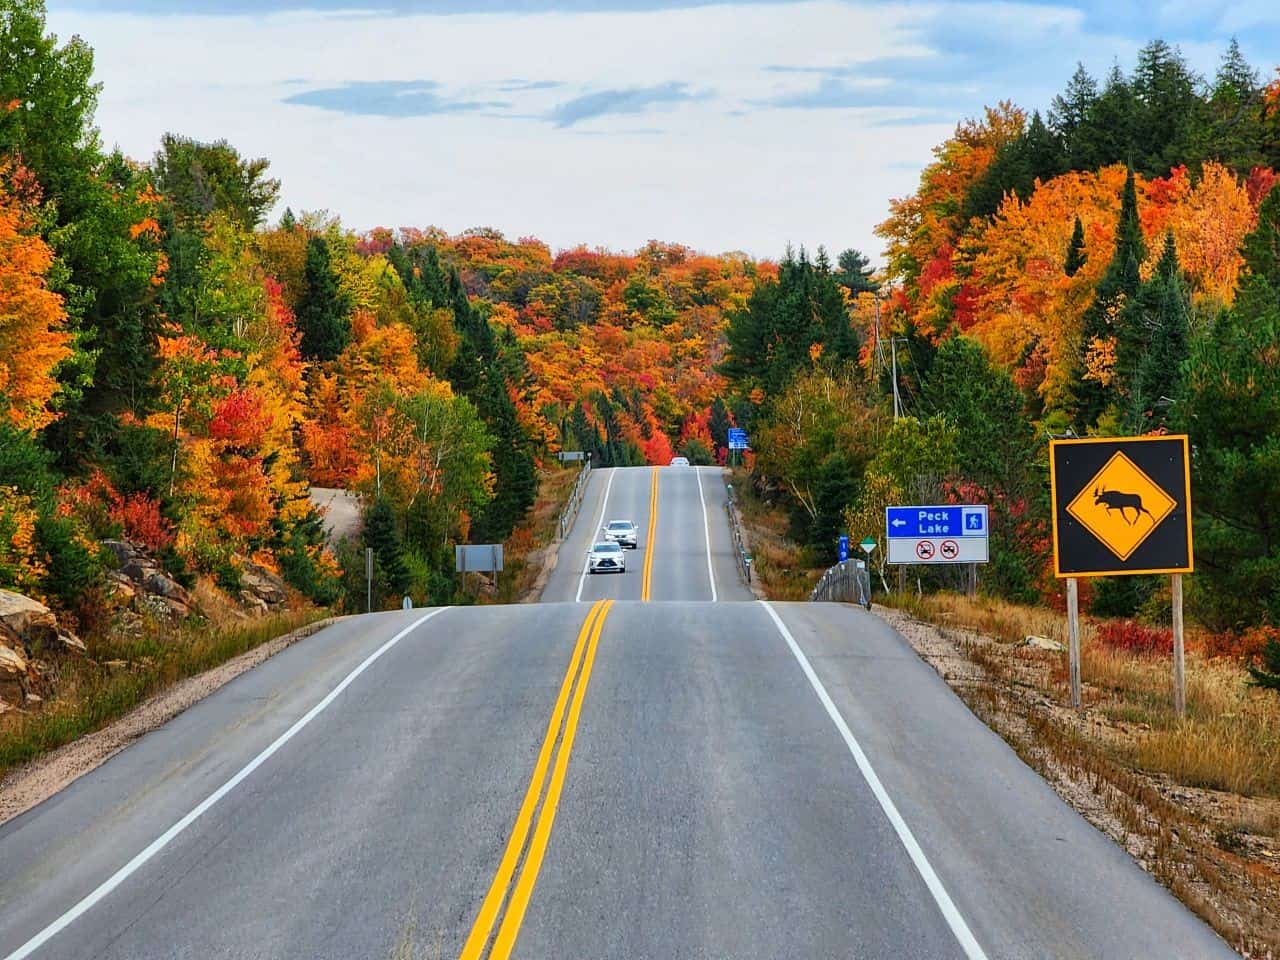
(715,171)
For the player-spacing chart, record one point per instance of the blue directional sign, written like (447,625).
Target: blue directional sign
(947,533)
(737,438)
(941,521)
(843,547)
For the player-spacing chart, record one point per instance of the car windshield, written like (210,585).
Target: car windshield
(607,548)
(620,525)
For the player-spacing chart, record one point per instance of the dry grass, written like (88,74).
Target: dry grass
(777,560)
(121,672)
(1195,800)
(1229,740)
(526,549)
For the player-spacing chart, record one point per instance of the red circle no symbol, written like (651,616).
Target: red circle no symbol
(950,549)
(924,549)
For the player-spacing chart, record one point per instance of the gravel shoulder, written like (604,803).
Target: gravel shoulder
(34,783)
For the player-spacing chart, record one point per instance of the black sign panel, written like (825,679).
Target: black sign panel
(1121,506)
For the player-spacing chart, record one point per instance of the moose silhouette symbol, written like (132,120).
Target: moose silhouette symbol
(1115,500)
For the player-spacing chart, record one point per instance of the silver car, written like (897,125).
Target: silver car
(622,532)
(606,557)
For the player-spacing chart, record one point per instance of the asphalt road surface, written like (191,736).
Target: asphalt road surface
(607,778)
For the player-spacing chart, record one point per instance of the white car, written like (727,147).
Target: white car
(679,461)
(606,557)
(622,532)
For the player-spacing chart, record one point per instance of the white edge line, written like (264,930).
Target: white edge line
(972,949)
(165,838)
(604,505)
(706,532)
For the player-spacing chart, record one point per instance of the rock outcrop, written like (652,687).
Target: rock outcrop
(139,579)
(29,639)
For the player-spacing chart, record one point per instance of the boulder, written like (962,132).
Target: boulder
(29,619)
(161,586)
(1044,643)
(139,569)
(70,643)
(167,606)
(264,585)
(13,676)
(123,550)
(121,587)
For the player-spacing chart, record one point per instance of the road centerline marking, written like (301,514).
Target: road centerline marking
(162,841)
(496,896)
(706,533)
(604,505)
(510,928)
(646,581)
(968,942)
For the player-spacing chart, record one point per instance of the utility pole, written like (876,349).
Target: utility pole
(897,401)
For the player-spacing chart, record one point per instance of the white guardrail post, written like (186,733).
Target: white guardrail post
(739,540)
(570,511)
(847,582)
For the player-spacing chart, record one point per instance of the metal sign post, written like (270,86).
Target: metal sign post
(1122,507)
(368,576)
(1073,638)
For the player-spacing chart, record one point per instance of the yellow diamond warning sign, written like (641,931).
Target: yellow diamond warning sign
(1121,506)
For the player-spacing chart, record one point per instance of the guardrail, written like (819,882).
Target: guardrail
(739,540)
(574,503)
(848,582)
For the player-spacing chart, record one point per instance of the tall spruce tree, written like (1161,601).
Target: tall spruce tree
(323,312)
(1070,111)
(1076,257)
(1155,343)
(1101,326)
(1231,409)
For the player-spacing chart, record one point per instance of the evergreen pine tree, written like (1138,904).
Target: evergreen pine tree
(1106,134)
(854,273)
(1169,109)
(1235,133)
(1154,342)
(1076,257)
(1230,407)
(323,311)
(1117,288)
(1070,111)
(383,538)
(1267,675)
(719,423)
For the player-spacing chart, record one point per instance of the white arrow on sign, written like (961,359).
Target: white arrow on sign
(897,522)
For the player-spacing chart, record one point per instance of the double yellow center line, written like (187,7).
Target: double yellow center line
(557,744)
(647,579)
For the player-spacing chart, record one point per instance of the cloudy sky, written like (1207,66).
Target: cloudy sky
(726,126)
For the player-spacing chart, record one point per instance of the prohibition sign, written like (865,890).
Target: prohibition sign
(950,549)
(924,549)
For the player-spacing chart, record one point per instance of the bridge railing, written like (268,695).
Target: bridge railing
(848,582)
(574,503)
(740,552)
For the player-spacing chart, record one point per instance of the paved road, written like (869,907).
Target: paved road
(679,779)
(690,540)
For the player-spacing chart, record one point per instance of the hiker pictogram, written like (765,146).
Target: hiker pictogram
(1121,506)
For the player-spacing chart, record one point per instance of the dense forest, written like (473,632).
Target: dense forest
(179,362)
(1109,268)
(176,371)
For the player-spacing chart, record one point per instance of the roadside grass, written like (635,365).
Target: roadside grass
(1229,740)
(1195,800)
(526,547)
(121,673)
(776,560)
